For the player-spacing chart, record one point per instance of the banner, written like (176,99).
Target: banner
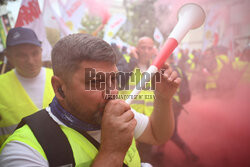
(30,17)
(158,37)
(212,30)
(113,25)
(53,21)
(72,14)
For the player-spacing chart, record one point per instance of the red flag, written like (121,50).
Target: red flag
(30,16)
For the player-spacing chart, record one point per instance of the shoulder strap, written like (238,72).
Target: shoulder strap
(52,139)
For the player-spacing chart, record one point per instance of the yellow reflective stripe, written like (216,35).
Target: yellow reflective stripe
(239,65)
(191,56)
(179,71)
(237,59)
(127,58)
(7,130)
(176,97)
(189,61)
(224,58)
(211,85)
(179,55)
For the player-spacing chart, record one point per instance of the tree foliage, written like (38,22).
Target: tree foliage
(141,20)
(4,2)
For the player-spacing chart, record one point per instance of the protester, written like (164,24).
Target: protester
(181,97)
(78,106)
(27,87)
(144,52)
(242,66)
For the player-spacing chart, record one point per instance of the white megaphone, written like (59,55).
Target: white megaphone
(190,16)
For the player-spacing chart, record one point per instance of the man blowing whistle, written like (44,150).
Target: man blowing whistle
(89,129)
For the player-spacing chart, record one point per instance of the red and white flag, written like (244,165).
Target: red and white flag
(113,25)
(158,36)
(72,14)
(30,16)
(212,29)
(74,11)
(52,20)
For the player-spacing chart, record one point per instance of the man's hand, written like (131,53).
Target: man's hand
(134,53)
(161,121)
(169,83)
(118,124)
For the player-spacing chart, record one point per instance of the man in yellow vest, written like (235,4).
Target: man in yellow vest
(181,97)
(241,66)
(85,110)
(27,87)
(216,67)
(144,52)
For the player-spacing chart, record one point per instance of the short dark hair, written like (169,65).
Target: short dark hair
(71,50)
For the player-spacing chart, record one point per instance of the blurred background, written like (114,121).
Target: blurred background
(215,57)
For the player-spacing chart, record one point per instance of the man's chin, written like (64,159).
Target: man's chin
(97,119)
(32,73)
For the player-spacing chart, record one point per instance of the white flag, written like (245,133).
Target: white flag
(211,29)
(113,25)
(158,36)
(52,20)
(72,14)
(30,16)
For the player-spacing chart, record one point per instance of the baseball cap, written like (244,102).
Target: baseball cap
(20,35)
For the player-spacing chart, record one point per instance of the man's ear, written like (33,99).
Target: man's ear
(7,53)
(59,87)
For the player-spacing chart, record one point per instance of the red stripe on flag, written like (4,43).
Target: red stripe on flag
(28,14)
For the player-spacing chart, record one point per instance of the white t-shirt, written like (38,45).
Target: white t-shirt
(16,153)
(34,87)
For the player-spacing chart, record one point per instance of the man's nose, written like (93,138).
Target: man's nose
(30,59)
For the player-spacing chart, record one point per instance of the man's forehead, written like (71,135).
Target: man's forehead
(145,40)
(146,43)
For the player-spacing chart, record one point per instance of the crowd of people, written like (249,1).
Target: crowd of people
(215,70)
(48,118)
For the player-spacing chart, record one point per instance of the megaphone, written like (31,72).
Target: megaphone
(190,16)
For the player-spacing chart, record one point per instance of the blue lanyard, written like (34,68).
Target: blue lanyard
(70,120)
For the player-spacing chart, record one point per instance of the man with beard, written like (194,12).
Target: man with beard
(98,131)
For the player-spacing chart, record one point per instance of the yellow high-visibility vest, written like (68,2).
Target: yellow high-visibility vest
(83,150)
(126,57)
(15,103)
(144,101)
(244,68)
(211,80)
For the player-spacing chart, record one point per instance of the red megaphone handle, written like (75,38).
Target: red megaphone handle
(165,52)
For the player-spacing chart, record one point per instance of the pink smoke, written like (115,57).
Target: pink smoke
(99,8)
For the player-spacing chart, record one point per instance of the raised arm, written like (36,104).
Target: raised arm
(161,121)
